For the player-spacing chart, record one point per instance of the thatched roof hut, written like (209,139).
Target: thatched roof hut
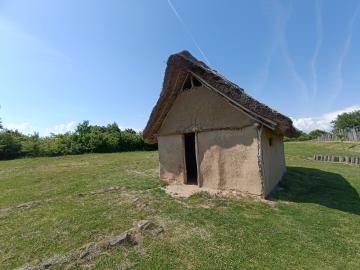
(206,126)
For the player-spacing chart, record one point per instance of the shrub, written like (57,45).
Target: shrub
(10,144)
(85,139)
(347,120)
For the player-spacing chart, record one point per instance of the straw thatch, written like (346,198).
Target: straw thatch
(181,64)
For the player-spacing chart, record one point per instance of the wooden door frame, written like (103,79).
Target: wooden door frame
(196,158)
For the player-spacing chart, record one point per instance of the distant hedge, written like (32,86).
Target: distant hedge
(306,136)
(85,139)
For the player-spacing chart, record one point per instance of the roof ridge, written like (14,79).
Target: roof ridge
(179,65)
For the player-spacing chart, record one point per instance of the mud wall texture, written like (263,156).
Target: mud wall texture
(200,108)
(273,159)
(171,157)
(228,159)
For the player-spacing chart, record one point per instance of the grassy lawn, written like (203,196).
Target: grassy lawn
(314,223)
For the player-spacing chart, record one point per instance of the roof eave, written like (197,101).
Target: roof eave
(179,65)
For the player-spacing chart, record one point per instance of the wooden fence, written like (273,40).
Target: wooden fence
(342,159)
(351,134)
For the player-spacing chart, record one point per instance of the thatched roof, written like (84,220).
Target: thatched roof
(179,66)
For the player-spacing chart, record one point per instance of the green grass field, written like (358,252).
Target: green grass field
(314,223)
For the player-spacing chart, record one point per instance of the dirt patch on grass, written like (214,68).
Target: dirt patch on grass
(101,191)
(93,250)
(186,191)
(4,212)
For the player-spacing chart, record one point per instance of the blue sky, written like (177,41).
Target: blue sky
(64,61)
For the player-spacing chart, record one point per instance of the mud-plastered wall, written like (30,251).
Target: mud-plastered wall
(273,159)
(171,157)
(229,159)
(200,109)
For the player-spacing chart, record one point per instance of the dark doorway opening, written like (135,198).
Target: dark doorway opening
(190,159)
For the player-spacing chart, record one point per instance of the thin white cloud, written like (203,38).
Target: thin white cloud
(323,122)
(62,128)
(263,77)
(25,128)
(284,48)
(280,16)
(343,55)
(318,18)
(14,35)
(28,129)
(177,15)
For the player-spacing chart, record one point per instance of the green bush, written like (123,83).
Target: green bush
(306,137)
(347,120)
(85,139)
(10,144)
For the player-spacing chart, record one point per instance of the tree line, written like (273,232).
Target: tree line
(343,121)
(306,136)
(110,138)
(85,139)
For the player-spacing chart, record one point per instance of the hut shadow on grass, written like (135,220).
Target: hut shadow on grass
(308,185)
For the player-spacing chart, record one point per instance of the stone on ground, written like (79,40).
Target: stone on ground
(143,224)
